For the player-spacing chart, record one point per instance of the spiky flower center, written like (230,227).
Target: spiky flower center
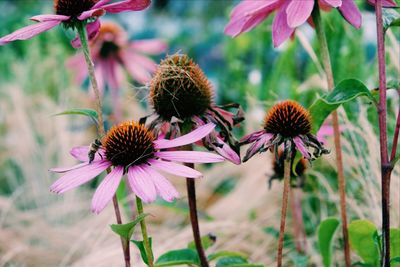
(289,119)
(72,7)
(128,144)
(180,88)
(110,39)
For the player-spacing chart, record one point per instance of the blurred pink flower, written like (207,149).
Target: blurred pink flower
(69,12)
(131,149)
(385,3)
(290,14)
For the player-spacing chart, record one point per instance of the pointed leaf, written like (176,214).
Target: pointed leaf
(178,257)
(207,241)
(326,231)
(140,246)
(221,254)
(361,235)
(231,261)
(394,243)
(126,230)
(81,111)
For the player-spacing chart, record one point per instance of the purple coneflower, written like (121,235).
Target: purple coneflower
(290,14)
(286,123)
(71,12)
(180,92)
(132,149)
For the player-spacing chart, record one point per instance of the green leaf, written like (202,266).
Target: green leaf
(207,241)
(178,257)
(140,246)
(231,261)
(126,230)
(326,231)
(361,235)
(394,242)
(220,254)
(395,260)
(81,111)
(391,18)
(344,92)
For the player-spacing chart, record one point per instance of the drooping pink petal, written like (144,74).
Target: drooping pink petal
(301,147)
(67,169)
(29,31)
(127,5)
(298,12)
(81,153)
(92,29)
(189,156)
(149,46)
(138,72)
(333,3)
(250,138)
(49,17)
(79,176)
(228,116)
(164,188)
(186,139)
(351,13)
(175,169)
(227,152)
(106,190)
(77,65)
(94,12)
(255,148)
(141,185)
(385,3)
(280,28)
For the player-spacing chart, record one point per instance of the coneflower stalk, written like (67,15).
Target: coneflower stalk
(336,130)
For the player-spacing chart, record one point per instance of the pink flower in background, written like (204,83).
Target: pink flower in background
(385,3)
(132,149)
(290,14)
(69,12)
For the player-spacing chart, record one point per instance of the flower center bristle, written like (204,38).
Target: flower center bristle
(72,7)
(128,143)
(288,119)
(180,88)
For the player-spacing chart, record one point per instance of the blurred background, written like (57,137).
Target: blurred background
(38,228)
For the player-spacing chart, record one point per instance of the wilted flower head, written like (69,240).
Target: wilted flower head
(130,148)
(290,14)
(287,123)
(70,12)
(180,92)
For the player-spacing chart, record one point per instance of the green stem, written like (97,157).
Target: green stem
(100,130)
(336,131)
(286,187)
(146,242)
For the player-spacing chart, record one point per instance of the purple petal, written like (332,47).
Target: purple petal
(80,176)
(106,190)
(298,12)
(100,3)
(81,153)
(67,169)
(135,69)
(385,3)
(333,3)
(280,28)
(255,148)
(175,169)
(92,29)
(141,185)
(164,188)
(149,46)
(301,147)
(29,31)
(186,139)
(350,12)
(250,138)
(94,12)
(127,5)
(227,152)
(189,156)
(49,17)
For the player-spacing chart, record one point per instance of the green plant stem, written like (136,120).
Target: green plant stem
(100,129)
(336,131)
(146,242)
(285,196)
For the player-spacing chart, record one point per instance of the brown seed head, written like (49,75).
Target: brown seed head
(289,119)
(179,88)
(72,7)
(128,143)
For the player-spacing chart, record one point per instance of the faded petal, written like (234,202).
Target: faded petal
(334,3)
(227,152)
(259,144)
(250,138)
(141,185)
(79,176)
(351,13)
(280,28)
(195,135)
(298,12)
(175,169)
(163,187)
(189,156)
(301,147)
(149,46)
(106,190)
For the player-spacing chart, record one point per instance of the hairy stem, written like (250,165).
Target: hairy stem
(385,164)
(146,242)
(286,187)
(336,131)
(297,218)
(86,51)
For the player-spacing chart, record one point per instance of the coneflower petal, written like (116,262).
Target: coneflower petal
(81,153)
(301,147)
(255,148)
(92,29)
(141,185)
(227,152)
(67,169)
(189,156)
(106,190)
(175,169)
(79,176)
(164,187)
(189,138)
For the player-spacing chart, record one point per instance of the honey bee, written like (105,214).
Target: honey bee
(93,149)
